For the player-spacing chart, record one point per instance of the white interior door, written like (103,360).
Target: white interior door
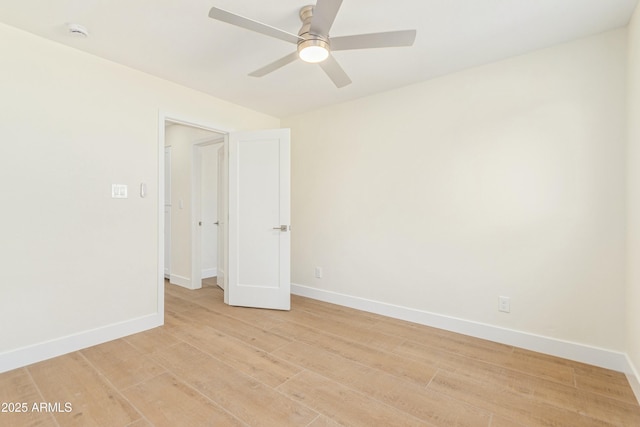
(209,209)
(258,273)
(222,217)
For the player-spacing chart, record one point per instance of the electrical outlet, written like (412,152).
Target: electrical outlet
(318,272)
(504,304)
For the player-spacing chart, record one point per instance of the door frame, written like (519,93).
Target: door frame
(196,206)
(182,119)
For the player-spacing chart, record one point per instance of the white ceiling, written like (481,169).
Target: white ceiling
(176,40)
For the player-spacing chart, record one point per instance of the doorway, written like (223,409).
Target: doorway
(188,202)
(255,224)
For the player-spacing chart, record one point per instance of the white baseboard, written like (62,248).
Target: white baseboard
(565,349)
(24,356)
(209,272)
(634,379)
(185,282)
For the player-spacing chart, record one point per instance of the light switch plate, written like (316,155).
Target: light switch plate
(119,191)
(504,304)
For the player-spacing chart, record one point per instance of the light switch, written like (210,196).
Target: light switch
(118,191)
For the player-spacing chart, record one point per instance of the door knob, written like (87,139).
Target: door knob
(216,223)
(282,228)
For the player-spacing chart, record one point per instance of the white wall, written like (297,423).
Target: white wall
(633,167)
(76,262)
(506,179)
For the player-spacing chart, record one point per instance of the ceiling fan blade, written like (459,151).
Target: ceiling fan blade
(335,72)
(374,40)
(275,65)
(324,13)
(250,24)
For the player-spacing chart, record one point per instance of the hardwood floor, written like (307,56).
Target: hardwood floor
(317,365)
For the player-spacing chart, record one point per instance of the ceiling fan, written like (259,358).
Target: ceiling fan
(313,40)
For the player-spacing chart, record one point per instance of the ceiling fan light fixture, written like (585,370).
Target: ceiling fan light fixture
(313,50)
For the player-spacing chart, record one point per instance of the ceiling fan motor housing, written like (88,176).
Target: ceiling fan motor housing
(307,38)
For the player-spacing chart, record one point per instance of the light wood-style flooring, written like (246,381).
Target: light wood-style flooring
(318,365)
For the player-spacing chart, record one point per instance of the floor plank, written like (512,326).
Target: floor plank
(510,404)
(344,405)
(394,364)
(152,340)
(248,399)
(605,383)
(406,396)
(121,363)
(167,401)
(17,389)
(95,402)
(250,360)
